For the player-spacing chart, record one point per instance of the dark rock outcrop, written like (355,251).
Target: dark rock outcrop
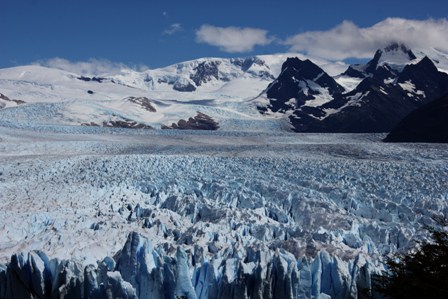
(143,102)
(426,124)
(5,98)
(205,71)
(200,122)
(91,79)
(124,124)
(184,86)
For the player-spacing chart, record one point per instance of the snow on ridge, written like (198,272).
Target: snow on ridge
(347,82)
(396,59)
(319,99)
(411,89)
(354,100)
(439,57)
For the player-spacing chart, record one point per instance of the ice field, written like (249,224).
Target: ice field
(225,214)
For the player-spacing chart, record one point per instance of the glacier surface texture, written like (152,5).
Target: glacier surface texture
(87,212)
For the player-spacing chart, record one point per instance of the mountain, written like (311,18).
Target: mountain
(260,93)
(220,89)
(383,91)
(303,79)
(201,74)
(386,62)
(426,124)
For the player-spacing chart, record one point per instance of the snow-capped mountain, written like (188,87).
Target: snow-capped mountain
(261,93)
(218,88)
(201,74)
(308,82)
(377,95)
(387,61)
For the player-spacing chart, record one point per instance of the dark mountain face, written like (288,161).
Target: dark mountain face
(301,81)
(425,77)
(199,122)
(426,124)
(384,97)
(354,72)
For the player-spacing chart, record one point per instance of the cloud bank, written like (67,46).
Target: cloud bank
(92,67)
(233,39)
(350,41)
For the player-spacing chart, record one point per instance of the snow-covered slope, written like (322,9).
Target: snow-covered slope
(440,58)
(219,88)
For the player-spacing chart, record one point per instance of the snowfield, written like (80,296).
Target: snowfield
(320,210)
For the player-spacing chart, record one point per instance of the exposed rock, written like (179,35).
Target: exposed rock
(204,72)
(93,79)
(125,124)
(184,85)
(200,122)
(6,99)
(426,124)
(91,124)
(143,102)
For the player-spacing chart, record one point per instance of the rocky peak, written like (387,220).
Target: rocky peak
(425,76)
(205,71)
(395,55)
(386,63)
(300,69)
(396,47)
(295,70)
(302,81)
(246,63)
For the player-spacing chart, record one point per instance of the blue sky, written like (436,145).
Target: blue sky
(159,33)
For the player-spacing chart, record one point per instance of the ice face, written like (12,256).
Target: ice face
(211,214)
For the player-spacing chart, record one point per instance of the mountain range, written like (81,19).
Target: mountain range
(393,84)
(267,93)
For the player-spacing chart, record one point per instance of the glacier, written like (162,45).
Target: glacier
(140,271)
(105,213)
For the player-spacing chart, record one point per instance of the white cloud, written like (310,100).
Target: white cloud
(350,41)
(92,67)
(233,39)
(173,29)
